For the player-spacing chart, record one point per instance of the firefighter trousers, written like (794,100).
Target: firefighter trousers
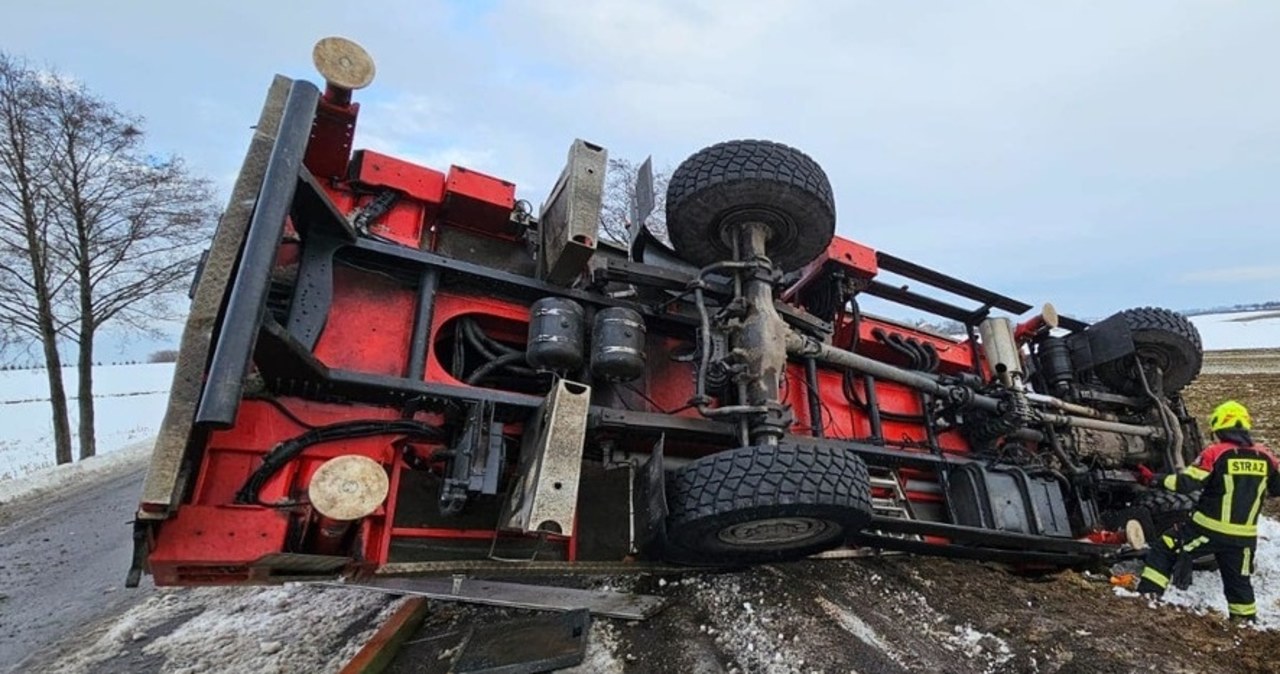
(1235,563)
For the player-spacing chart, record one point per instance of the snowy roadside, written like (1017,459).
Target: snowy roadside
(276,629)
(129,403)
(59,479)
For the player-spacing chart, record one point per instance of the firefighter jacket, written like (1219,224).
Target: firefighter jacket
(1233,480)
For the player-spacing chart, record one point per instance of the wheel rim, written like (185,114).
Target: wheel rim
(775,531)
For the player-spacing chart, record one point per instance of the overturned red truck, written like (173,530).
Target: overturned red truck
(391,369)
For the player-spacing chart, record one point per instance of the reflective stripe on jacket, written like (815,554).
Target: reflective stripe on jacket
(1232,481)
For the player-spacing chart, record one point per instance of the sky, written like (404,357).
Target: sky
(1096,154)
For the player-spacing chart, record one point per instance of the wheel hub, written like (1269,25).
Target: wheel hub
(774,531)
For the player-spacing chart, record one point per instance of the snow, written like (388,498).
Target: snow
(265,629)
(856,626)
(1244,330)
(70,475)
(974,643)
(129,405)
(1205,593)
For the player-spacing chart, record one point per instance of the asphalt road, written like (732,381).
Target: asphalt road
(63,559)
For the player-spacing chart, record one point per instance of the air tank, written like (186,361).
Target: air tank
(557,328)
(1055,361)
(617,344)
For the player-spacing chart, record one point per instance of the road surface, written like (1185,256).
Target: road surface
(63,559)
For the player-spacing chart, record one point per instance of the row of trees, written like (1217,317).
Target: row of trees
(93,229)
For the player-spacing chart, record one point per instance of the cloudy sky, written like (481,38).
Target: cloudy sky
(1099,155)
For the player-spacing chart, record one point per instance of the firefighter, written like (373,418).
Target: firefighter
(1233,476)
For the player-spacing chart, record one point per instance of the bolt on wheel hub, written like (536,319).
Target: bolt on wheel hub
(774,531)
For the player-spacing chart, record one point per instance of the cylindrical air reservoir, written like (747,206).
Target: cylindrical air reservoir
(557,328)
(1055,361)
(617,344)
(1000,348)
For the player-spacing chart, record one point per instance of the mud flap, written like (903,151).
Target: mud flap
(649,505)
(139,556)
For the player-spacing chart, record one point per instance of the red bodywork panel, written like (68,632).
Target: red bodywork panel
(369,329)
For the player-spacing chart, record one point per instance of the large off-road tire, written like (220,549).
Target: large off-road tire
(766,504)
(731,183)
(1166,509)
(1164,339)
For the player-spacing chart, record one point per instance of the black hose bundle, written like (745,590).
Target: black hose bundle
(850,386)
(498,356)
(288,450)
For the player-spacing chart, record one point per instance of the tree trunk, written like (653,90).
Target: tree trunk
(88,442)
(57,393)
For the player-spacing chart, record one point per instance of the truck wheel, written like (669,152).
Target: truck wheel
(1164,339)
(1164,510)
(766,504)
(741,181)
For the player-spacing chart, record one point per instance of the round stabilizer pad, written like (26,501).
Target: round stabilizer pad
(343,63)
(348,487)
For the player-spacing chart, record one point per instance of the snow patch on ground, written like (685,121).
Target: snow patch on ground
(975,644)
(267,630)
(129,404)
(1204,596)
(968,643)
(856,626)
(602,651)
(1247,330)
(71,475)
(1205,593)
(752,633)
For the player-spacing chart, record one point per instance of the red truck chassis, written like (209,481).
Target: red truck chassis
(391,369)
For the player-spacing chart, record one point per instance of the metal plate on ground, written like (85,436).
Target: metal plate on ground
(526,646)
(518,595)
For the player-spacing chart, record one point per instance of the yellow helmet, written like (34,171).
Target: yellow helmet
(1230,415)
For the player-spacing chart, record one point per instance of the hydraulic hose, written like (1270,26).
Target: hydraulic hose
(804,347)
(288,450)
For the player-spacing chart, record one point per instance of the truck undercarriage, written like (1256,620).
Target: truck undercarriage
(391,369)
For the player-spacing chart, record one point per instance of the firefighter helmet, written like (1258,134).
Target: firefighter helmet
(1228,416)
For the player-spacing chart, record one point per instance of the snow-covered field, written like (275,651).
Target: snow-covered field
(129,405)
(1251,330)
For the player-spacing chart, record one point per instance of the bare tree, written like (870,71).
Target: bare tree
(31,281)
(127,225)
(620,200)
